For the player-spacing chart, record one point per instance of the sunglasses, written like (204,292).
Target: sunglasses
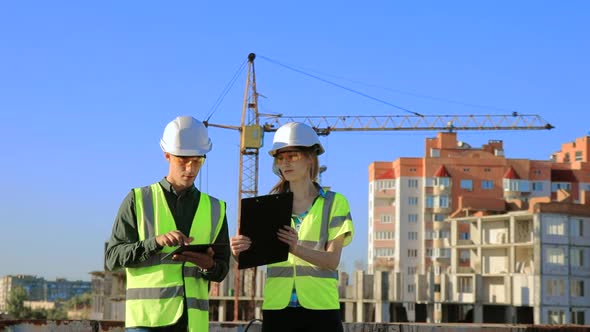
(188,161)
(288,156)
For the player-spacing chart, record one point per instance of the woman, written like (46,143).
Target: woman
(301,293)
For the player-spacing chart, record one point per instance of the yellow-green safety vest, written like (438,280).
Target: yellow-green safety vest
(157,287)
(317,288)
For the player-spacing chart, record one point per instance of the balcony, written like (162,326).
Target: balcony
(384,193)
(441,190)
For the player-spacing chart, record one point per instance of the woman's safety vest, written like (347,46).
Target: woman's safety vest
(317,288)
(157,288)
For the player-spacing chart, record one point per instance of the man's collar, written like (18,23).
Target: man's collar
(169,188)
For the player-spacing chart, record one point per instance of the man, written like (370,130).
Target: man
(163,293)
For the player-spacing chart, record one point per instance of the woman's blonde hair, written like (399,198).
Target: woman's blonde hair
(308,153)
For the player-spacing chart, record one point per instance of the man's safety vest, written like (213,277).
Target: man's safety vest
(157,288)
(317,288)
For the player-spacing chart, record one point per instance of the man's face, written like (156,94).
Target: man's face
(183,170)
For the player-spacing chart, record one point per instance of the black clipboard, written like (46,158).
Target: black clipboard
(260,219)
(202,248)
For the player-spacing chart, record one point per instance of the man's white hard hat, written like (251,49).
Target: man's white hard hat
(295,134)
(186,136)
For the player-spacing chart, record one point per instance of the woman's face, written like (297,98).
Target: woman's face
(293,163)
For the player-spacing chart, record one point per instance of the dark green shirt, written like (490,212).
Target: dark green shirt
(125,249)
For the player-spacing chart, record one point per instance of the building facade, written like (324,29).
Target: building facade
(39,289)
(410,200)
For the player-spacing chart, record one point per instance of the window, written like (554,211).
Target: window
(428,252)
(442,181)
(464,257)
(384,252)
(556,317)
(412,235)
(516,185)
(467,184)
(464,236)
(577,288)
(578,317)
(443,202)
(412,169)
(577,228)
(434,153)
(537,171)
(555,287)
(412,200)
(439,217)
(429,201)
(579,156)
(561,185)
(537,186)
(385,184)
(487,184)
(577,257)
(465,284)
(413,218)
(442,252)
(412,183)
(555,228)
(385,219)
(411,288)
(465,169)
(487,170)
(411,270)
(384,236)
(555,256)
(412,252)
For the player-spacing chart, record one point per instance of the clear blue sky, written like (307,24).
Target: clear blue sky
(86,88)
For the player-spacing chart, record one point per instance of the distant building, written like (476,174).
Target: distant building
(108,296)
(39,289)
(410,200)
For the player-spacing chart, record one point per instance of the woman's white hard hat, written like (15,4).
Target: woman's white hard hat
(295,134)
(186,136)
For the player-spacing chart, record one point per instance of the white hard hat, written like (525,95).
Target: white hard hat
(295,134)
(186,136)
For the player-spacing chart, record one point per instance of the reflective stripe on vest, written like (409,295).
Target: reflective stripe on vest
(158,285)
(300,271)
(319,284)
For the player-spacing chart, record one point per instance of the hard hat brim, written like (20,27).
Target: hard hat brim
(185,152)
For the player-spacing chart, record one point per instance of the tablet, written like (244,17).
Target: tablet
(201,248)
(260,219)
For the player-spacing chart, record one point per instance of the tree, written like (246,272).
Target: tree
(16,304)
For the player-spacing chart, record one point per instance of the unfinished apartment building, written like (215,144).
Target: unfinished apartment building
(531,265)
(417,230)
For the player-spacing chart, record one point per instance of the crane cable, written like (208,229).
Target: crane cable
(339,86)
(225,91)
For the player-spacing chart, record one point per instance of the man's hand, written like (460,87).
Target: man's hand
(203,260)
(173,238)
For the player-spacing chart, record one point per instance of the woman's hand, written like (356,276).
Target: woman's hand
(238,244)
(289,235)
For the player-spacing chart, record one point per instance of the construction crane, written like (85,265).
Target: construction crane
(252,132)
